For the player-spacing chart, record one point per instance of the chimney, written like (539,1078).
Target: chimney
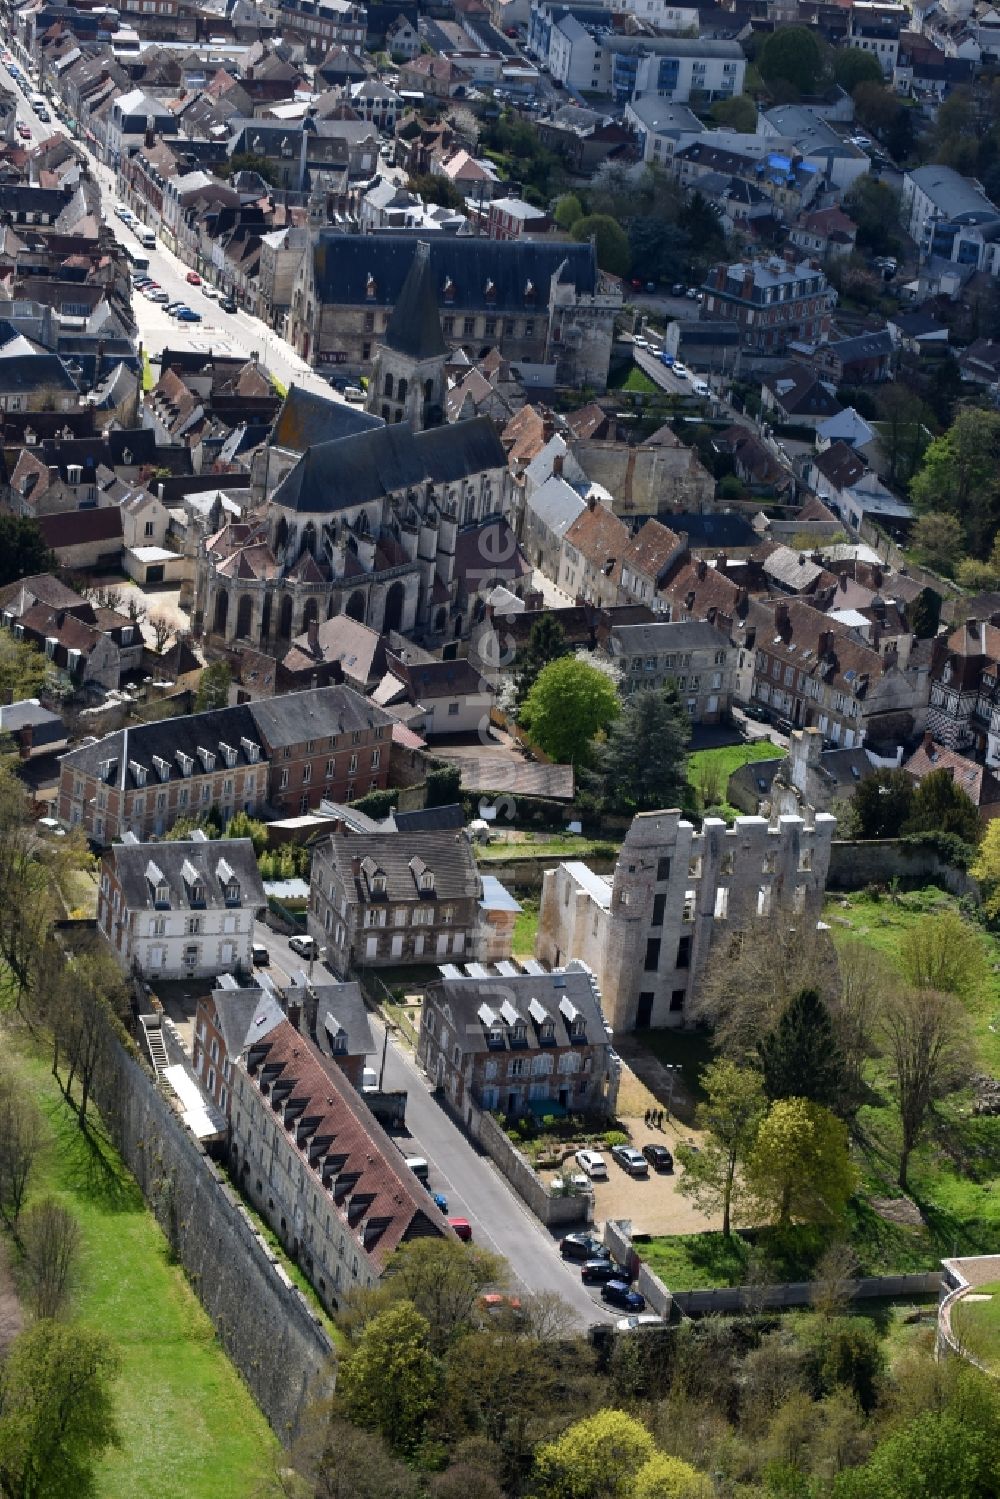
(824,644)
(312,636)
(356,864)
(746,290)
(720,563)
(293,1009)
(548,426)
(149,139)
(927,743)
(25,737)
(557,466)
(781,618)
(701,568)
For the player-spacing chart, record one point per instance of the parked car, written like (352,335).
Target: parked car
(462,1227)
(261,956)
(659,1157)
(667,359)
(596,1272)
(619,1293)
(193,279)
(636,1320)
(303,944)
(441,1202)
(228,305)
(158,296)
(593,1164)
(23,131)
(570,1182)
(631,1160)
(681,370)
(701,387)
(210,291)
(188,315)
(583,1247)
(419,1167)
(497,1304)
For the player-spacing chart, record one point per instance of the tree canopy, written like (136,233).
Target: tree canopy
(881,804)
(793,55)
(643,763)
(730,1115)
(568,705)
(801,1057)
(213,687)
(23,551)
(852,65)
(941,806)
(598,1457)
(390,1381)
(958,477)
(938,540)
(546,642)
(610,241)
(799,1168)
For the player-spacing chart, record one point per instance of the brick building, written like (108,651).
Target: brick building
(646,932)
(520,1043)
(771,301)
(285,754)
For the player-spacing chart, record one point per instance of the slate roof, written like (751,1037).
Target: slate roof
(358,648)
(24,373)
(800,393)
(307,418)
(477,1004)
(332,476)
(78,527)
(402,858)
(430,819)
(340,1008)
(841,465)
(245,1015)
(668,635)
(296,717)
(348,267)
(714,530)
(188,867)
(24,714)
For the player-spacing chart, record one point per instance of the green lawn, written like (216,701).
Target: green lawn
(719,764)
(638,380)
(190,1428)
(976,1324)
(559,845)
(526,925)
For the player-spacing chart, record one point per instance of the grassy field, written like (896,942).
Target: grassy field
(977,1325)
(189,1427)
(526,925)
(560,845)
(719,764)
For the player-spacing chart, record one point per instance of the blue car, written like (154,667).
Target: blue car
(441,1201)
(188,315)
(667,359)
(621,1294)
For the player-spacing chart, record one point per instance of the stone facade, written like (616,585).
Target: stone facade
(690,653)
(646,933)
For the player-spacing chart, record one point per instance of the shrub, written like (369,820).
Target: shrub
(615,1137)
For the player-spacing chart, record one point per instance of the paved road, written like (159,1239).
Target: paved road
(474,1188)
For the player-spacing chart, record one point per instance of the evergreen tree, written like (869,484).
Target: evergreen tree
(643,764)
(547,642)
(939,806)
(802,1058)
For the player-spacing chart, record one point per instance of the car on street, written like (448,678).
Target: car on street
(619,1293)
(228,304)
(440,1202)
(637,1320)
(260,955)
(701,387)
(188,315)
(680,370)
(640,343)
(23,131)
(583,1247)
(303,944)
(193,279)
(462,1227)
(175,307)
(210,291)
(659,1157)
(124,213)
(158,296)
(592,1164)
(596,1272)
(631,1160)
(418,1166)
(667,359)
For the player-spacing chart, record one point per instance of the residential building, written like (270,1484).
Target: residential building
(590,566)
(517,1043)
(772,302)
(312,1159)
(285,753)
(964,709)
(32,729)
(692,655)
(794,393)
(865,359)
(389,898)
(180,909)
(436,698)
(646,932)
(498,912)
(825,233)
(874,28)
(674,68)
(980,784)
(650,555)
(512,218)
(322,24)
(951,218)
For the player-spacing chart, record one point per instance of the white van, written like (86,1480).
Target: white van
(701,387)
(147,239)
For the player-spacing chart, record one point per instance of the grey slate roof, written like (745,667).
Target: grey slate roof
(341,1008)
(531,997)
(556,504)
(298,716)
(142,867)
(27,712)
(959,199)
(245,1015)
(343,263)
(676,635)
(370,465)
(401,858)
(415,326)
(307,418)
(430,819)
(25,373)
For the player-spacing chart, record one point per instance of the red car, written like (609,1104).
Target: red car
(462,1227)
(193,278)
(24,131)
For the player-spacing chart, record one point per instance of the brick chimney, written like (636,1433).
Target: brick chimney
(701,567)
(781,618)
(557,466)
(746,290)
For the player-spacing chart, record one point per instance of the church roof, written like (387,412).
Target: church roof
(414,328)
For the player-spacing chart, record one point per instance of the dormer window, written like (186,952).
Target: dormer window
(578,1030)
(548,1031)
(371,287)
(378,884)
(186,763)
(138,772)
(251,750)
(228,754)
(108,770)
(490,290)
(162,767)
(207,758)
(448,290)
(427,880)
(529,291)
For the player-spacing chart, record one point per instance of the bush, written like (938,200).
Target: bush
(948,846)
(614,1137)
(376,804)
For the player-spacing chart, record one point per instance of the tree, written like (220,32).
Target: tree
(730,1115)
(50,1242)
(391,1380)
(793,55)
(568,705)
(610,240)
(852,66)
(924,614)
(737,113)
(665,1477)
(937,1455)
(546,642)
(661,248)
(986,868)
(938,540)
(162,629)
(23,550)
(341,1461)
(434,188)
(874,207)
(643,764)
(881,804)
(959,477)
(598,1457)
(444,786)
(20,1137)
(945,952)
(927,1047)
(700,219)
(801,1057)
(941,806)
(213,687)
(24,670)
(569,211)
(799,1167)
(90,1006)
(497,1382)
(865,976)
(248,162)
(443,1281)
(976,577)
(906,423)
(751,975)
(56,1411)
(874,105)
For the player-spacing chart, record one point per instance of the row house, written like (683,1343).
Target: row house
(520,1043)
(646,932)
(772,302)
(284,754)
(312,1159)
(181,909)
(964,708)
(814,671)
(321,24)
(383,899)
(691,655)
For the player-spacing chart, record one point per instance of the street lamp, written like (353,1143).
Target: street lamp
(672,1068)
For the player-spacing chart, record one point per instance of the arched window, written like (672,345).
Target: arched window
(281,534)
(308,540)
(428,390)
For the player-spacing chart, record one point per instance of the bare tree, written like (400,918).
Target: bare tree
(50,1241)
(546,1316)
(865,979)
(162,630)
(837,1265)
(135,609)
(927,1045)
(95,998)
(106,596)
(753,973)
(20,1136)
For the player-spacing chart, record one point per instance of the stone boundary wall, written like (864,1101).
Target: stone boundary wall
(263,1321)
(551,1211)
(801,1293)
(526,874)
(875,862)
